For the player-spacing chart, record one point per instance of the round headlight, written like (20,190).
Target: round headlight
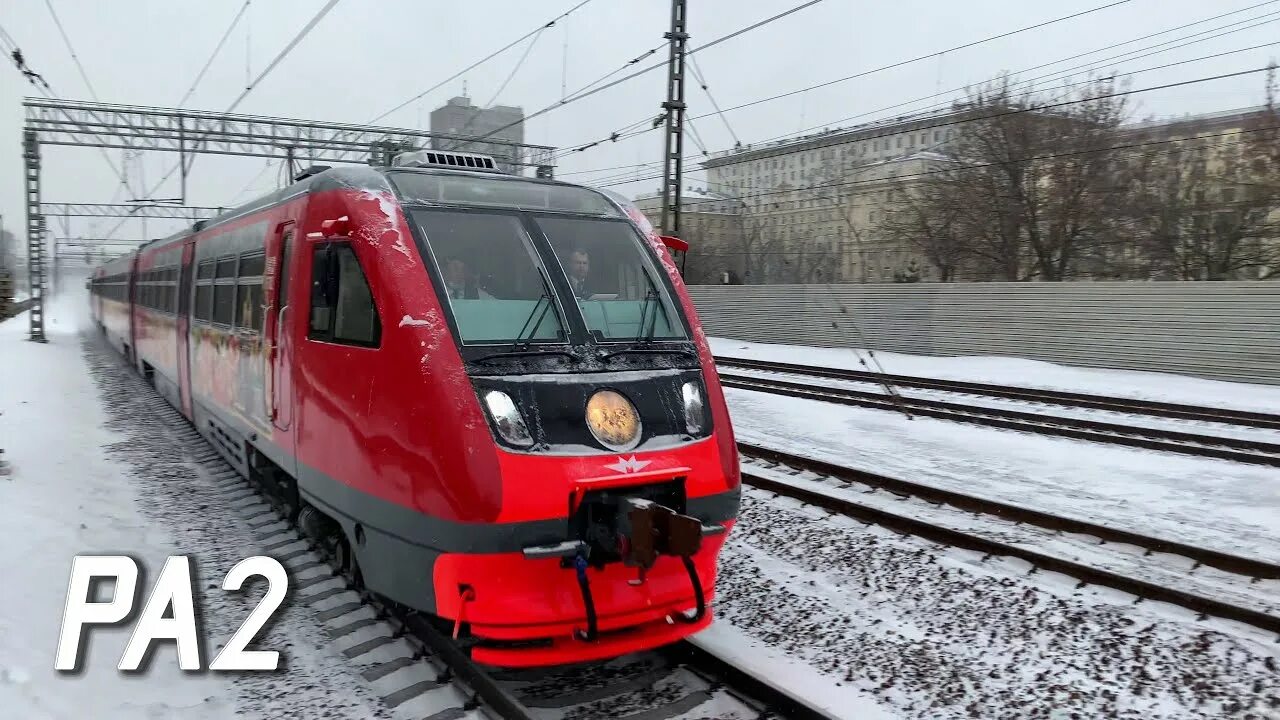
(613,420)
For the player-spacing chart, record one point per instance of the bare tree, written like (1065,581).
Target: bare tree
(1208,207)
(1039,171)
(1026,187)
(923,218)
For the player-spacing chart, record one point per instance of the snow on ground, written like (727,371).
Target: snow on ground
(86,479)
(937,633)
(1199,427)
(1214,503)
(63,498)
(1018,372)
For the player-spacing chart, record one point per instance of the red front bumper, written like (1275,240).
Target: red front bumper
(519,599)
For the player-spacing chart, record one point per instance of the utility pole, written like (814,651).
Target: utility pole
(673,153)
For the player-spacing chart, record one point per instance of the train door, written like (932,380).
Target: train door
(184,324)
(279,339)
(132,313)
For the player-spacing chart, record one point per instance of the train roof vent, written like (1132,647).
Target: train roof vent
(313,170)
(447,159)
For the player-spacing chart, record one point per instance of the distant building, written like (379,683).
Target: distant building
(712,225)
(811,203)
(811,206)
(460,117)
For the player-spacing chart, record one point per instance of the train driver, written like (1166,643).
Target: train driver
(458,281)
(579,270)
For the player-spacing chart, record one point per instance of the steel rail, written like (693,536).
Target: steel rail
(1227,562)
(1211,446)
(1052,397)
(949,536)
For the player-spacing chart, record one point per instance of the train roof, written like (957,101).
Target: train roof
(358,177)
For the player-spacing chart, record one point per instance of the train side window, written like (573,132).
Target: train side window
(204,302)
(342,308)
(249,297)
(204,291)
(224,301)
(224,291)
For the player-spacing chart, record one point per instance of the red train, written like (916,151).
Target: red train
(489,395)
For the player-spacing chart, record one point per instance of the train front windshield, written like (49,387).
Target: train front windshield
(531,277)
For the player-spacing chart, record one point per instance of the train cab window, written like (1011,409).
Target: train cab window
(491,277)
(614,280)
(342,308)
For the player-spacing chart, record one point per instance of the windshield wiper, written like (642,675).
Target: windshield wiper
(521,339)
(648,351)
(525,353)
(642,335)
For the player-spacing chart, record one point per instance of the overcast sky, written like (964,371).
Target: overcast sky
(367,56)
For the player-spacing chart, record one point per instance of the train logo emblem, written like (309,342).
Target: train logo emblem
(629,465)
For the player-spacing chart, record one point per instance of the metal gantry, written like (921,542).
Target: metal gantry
(192,132)
(35,234)
(109,210)
(185,132)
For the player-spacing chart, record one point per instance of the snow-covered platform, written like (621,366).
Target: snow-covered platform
(76,486)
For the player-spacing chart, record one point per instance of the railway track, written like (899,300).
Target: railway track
(1006,530)
(408,659)
(1152,408)
(1236,449)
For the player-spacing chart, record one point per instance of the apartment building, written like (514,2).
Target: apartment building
(813,201)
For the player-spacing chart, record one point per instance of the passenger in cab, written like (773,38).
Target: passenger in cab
(459,282)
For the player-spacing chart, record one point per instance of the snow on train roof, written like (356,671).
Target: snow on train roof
(565,197)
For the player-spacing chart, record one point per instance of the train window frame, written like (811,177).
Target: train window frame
(225,281)
(652,268)
(328,332)
(203,280)
(256,319)
(436,273)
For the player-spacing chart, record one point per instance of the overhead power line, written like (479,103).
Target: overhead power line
(481,61)
(980,166)
(120,175)
(574,97)
(624,135)
(1176,43)
(251,86)
(697,74)
(615,71)
(283,53)
(14,53)
(67,40)
(1033,108)
(519,63)
(910,61)
(212,56)
(864,73)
